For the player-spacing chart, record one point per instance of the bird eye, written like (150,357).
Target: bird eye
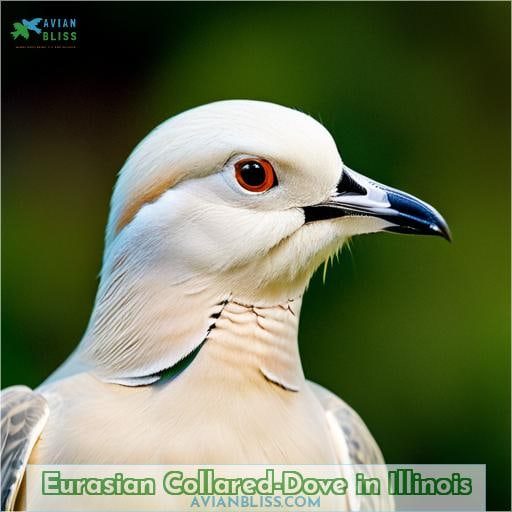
(255,175)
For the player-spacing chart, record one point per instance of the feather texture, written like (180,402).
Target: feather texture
(355,445)
(24,414)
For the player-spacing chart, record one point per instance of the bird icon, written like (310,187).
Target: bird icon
(218,220)
(20,30)
(32,25)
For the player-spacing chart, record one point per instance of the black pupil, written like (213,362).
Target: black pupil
(253,174)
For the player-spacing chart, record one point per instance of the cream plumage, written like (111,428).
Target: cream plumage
(194,328)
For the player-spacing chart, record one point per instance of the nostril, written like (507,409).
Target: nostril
(348,185)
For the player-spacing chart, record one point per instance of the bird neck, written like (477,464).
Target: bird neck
(143,327)
(257,342)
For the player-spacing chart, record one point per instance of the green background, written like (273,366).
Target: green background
(412,332)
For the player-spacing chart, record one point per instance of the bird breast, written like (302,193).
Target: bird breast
(243,399)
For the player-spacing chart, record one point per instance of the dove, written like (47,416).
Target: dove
(218,220)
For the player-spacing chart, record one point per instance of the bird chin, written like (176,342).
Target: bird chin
(317,242)
(360,225)
(290,264)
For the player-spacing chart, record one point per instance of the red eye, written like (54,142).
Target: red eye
(255,175)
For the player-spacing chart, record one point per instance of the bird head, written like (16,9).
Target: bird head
(237,200)
(252,194)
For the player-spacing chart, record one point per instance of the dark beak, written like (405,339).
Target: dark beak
(357,195)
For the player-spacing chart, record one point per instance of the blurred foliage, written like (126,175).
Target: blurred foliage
(412,332)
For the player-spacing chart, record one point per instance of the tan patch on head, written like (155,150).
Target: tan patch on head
(150,195)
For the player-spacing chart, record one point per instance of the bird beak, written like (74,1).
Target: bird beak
(357,195)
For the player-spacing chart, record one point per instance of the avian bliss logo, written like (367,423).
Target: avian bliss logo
(46,32)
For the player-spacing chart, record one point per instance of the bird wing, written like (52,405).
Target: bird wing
(24,414)
(354,444)
(35,21)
